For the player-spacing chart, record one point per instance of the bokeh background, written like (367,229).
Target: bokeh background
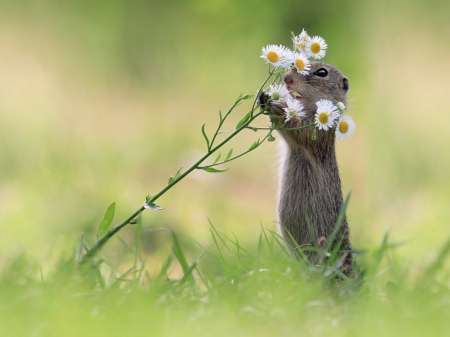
(102,101)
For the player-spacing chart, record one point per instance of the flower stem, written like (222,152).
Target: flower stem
(254,128)
(91,252)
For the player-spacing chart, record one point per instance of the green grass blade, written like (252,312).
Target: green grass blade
(80,248)
(180,256)
(283,245)
(163,272)
(217,246)
(137,240)
(340,220)
(193,266)
(268,243)
(100,279)
(219,236)
(437,264)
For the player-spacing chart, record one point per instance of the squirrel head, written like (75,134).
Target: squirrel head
(322,82)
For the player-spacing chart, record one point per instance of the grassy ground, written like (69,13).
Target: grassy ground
(225,289)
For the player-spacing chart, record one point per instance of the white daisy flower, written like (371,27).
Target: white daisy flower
(326,114)
(345,128)
(316,47)
(287,58)
(340,106)
(294,108)
(302,63)
(277,92)
(275,55)
(300,41)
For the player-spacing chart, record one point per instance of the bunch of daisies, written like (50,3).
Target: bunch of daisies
(305,47)
(328,114)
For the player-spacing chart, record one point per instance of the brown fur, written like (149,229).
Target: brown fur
(310,185)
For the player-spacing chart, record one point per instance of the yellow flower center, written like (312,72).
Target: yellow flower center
(343,127)
(323,118)
(300,64)
(292,112)
(315,48)
(272,56)
(301,45)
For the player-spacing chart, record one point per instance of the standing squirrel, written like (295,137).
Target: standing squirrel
(310,185)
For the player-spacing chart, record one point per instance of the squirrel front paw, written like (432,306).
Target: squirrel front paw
(276,107)
(262,99)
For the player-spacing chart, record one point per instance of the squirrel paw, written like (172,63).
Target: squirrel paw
(277,107)
(263,99)
(273,106)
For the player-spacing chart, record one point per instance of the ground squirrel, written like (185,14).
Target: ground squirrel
(310,185)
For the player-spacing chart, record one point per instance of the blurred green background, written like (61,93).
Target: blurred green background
(102,101)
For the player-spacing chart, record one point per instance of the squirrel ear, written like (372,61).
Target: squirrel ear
(344,84)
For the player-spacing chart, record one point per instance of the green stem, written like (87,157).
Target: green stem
(271,72)
(91,253)
(240,155)
(254,128)
(222,121)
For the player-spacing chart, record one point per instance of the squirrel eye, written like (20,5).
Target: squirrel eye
(322,72)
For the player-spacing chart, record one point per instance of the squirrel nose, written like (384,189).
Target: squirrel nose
(288,79)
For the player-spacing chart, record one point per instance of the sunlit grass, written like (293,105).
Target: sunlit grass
(225,289)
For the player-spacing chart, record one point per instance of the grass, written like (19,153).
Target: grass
(224,289)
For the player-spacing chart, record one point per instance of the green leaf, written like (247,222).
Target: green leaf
(247,97)
(243,120)
(229,155)
(205,136)
(148,198)
(213,170)
(254,145)
(220,116)
(152,206)
(107,220)
(239,98)
(217,159)
(172,178)
(178,172)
